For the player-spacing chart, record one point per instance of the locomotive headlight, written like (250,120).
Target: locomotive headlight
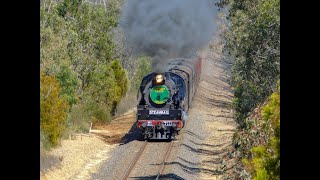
(159,78)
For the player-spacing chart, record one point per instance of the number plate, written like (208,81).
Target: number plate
(167,123)
(158,112)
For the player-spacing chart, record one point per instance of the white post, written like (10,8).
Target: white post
(90,127)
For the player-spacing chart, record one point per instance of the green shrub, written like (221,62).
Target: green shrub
(53,109)
(76,48)
(265,163)
(122,83)
(79,119)
(252,43)
(246,97)
(144,68)
(97,112)
(69,83)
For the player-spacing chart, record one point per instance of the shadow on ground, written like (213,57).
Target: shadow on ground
(170,176)
(134,134)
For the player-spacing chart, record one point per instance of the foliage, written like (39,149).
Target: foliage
(53,108)
(121,78)
(69,81)
(245,98)
(108,83)
(265,163)
(97,112)
(77,50)
(253,43)
(144,68)
(258,145)
(129,101)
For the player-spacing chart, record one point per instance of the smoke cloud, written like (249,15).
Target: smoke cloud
(166,29)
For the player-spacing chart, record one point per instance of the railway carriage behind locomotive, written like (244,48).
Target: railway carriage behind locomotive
(165,98)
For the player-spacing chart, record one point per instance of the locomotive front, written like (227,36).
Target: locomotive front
(160,112)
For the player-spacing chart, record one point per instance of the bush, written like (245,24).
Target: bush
(97,112)
(144,68)
(76,49)
(122,83)
(245,99)
(265,163)
(69,83)
(252,42)
(79,119)
(53,109)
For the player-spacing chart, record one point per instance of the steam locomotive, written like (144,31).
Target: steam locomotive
(165,98)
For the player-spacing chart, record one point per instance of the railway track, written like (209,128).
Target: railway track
(164,160)
(138,155)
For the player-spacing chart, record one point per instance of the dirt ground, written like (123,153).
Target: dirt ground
(115,131)
(76,158)
(214,103)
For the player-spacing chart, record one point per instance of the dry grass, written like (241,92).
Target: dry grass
(128,102)
(48,161)
(67,160)
(114,131)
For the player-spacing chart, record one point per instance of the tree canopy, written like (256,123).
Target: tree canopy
(77,57)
